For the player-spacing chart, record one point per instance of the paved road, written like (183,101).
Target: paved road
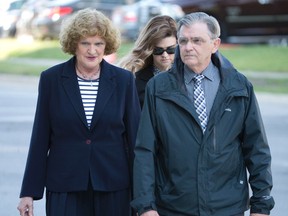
(17,106)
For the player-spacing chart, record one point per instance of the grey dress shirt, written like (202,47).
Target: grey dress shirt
(210,84)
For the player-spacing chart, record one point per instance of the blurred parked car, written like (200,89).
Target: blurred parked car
(45,20)
(29,11)
(245,21)
(9,18)
(132,18)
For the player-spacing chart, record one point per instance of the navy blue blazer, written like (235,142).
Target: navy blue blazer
(64,152)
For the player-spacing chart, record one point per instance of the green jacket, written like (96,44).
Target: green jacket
(180,171)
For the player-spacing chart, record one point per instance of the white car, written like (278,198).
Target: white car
(131,18)
(10,13)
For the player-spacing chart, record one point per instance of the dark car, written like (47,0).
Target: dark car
(47,21)
(245,21)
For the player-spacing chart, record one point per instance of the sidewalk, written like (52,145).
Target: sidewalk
(112,59)
(267,75)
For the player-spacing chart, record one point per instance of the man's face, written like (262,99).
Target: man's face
(196,46)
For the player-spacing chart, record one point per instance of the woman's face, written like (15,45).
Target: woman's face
(90,52)
(164,60)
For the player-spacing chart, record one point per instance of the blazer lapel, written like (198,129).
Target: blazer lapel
(106,89)
(70,84)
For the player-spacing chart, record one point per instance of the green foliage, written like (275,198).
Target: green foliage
(261,58)
(124,49)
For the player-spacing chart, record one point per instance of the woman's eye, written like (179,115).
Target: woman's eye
(99,44)
(85,43)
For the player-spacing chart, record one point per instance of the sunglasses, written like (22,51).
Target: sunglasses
(160,51)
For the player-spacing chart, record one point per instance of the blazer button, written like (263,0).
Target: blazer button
(88,141)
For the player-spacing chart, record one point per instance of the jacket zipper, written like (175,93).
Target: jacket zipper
(214,139)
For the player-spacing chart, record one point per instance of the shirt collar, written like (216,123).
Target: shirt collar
(156,71)
(208,72)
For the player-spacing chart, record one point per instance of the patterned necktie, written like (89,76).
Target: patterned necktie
(199,101)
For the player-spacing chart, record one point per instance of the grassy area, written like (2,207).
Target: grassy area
(261,58)
(12,48)
(257,58)
(270,85)
(30,49)
(250,57)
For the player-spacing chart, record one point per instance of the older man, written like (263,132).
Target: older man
(200,131)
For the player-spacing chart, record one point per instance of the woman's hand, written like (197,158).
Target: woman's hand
(25,206)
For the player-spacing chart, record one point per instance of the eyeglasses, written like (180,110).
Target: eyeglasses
(182,41)
(160,51)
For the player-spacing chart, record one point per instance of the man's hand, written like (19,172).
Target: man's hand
(150,213)
(25,206)
(255,214)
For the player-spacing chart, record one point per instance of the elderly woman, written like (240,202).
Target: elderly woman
(85,125)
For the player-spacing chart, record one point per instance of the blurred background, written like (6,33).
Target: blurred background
(242,21)
(254,33)
(41,19)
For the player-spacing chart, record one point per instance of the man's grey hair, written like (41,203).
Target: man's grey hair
(210,21)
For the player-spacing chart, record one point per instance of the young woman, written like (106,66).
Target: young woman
(153,52)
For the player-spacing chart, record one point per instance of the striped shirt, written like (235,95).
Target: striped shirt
(88,91)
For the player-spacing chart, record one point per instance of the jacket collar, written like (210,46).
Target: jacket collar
(171,85)
(107,86)
(230,77)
